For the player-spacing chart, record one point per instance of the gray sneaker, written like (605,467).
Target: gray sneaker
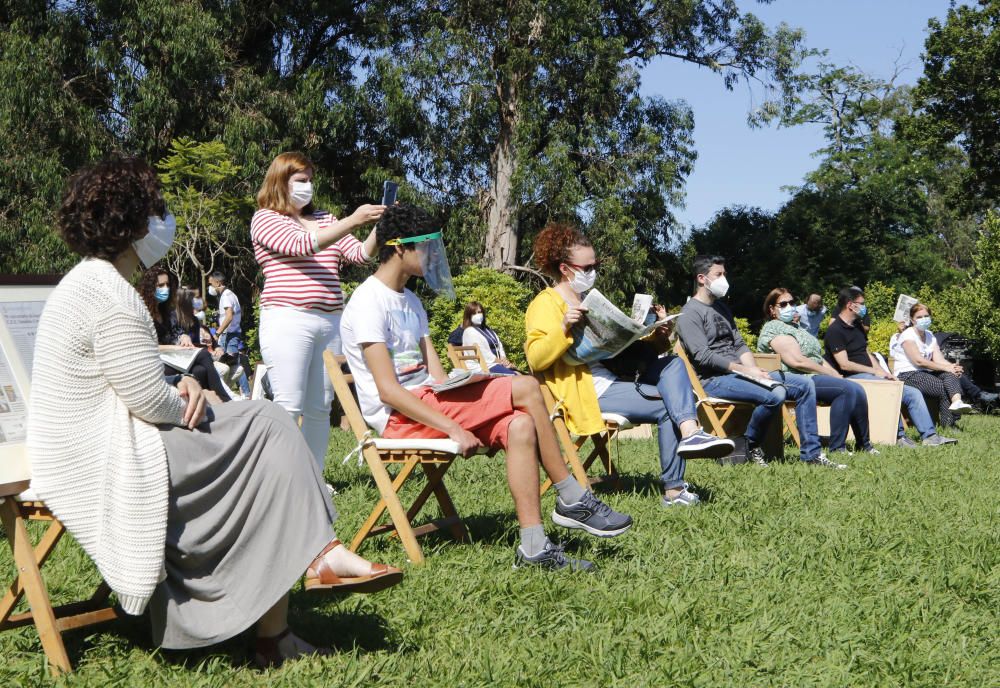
(823,462)
(553,557)
(592,515)
(702,445)
(937,440)
(685,498)
(756,455)
(906,442)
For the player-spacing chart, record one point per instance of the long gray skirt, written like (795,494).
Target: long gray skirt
(248,512)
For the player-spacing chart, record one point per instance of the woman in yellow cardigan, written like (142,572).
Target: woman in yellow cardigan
(588,390)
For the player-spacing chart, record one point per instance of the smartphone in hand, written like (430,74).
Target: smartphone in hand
(389,192)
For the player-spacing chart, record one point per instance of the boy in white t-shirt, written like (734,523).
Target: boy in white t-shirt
(387,343)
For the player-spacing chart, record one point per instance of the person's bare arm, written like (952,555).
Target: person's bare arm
(432,361)
(791,355)
(338,229)
(226,319)
(394,395)
(748,366)
(938,361)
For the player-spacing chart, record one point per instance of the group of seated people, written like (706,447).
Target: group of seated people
(208,514)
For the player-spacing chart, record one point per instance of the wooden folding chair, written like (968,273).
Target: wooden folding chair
(772,363)
(571,446)
(463,357)
(714,411)
(51,622)
(433,456)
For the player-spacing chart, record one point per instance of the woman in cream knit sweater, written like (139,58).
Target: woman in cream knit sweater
(205,515)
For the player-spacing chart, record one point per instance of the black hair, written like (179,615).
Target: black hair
(846,296)
(399,222)
(702,264)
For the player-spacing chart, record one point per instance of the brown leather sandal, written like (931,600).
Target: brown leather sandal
(327,580)
(267,654)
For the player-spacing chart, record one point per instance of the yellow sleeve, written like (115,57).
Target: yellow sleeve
(546,340)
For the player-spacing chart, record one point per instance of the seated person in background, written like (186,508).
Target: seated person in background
(919,363)
(802,353)
(811,314)
(204,516)
(158,290)
(387,343)
(184,315)
(476,331)
(197,303)
(847,351)
(455,338)
(724,362)
(586,391)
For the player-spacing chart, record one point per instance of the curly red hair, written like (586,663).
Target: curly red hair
(554,244)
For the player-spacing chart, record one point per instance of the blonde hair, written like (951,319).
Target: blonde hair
(273,194)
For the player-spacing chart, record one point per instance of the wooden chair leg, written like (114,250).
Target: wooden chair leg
(571,456)
(390,501)
(793,429)
(435,480)
(34,587)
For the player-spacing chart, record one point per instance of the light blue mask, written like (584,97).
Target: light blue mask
(787,314)
(863,310)
(162,294)
(923,324)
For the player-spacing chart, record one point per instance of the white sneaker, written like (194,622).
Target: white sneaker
(959,407)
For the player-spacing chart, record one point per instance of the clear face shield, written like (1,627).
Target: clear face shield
(433,261)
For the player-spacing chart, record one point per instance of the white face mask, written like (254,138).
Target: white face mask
(719,287)
(477,319)
(583,281)
(302,194)
(212,291)
(152,247)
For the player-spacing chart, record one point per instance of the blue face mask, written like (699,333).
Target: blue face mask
(862,310)
(923,324)
(787,314)
(162,294)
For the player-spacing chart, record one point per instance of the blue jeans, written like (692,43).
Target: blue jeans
(232,343)
(798,388)
(676,406)
(848,409)
(915,405)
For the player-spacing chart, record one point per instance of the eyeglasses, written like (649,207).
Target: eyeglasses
(789,302)
(586,268)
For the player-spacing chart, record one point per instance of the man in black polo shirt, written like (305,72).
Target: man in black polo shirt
(847,351)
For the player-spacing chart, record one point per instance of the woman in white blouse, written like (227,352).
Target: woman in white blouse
(919,363)
(477,332)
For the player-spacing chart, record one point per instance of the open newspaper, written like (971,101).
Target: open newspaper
(903,305)
(606,331)
(461,378)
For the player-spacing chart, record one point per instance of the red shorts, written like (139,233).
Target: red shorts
(484,409)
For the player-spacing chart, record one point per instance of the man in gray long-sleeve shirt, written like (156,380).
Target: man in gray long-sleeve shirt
(724,363)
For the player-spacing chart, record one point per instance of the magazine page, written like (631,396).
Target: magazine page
(640,307)
(461,379)
(181,359)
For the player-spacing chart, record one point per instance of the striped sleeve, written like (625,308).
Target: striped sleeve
(279,234)
(352,250)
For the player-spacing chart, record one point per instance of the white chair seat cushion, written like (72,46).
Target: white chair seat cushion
(440,445)
(622,422)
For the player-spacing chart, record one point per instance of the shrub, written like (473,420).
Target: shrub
(505,300)
(750,337)
(878,336)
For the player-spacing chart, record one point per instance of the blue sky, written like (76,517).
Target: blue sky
(739,165)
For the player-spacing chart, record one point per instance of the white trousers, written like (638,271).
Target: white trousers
(292,342)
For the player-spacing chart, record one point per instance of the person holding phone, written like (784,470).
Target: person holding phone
(300,250)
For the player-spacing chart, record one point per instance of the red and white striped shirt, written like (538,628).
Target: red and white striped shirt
(295,273)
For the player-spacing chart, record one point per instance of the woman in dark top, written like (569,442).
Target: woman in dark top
(158,289)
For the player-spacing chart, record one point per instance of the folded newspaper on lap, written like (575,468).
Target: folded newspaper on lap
(606,331)
(762,381)
(463,378)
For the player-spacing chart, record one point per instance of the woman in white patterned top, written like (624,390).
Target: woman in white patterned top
(205,515)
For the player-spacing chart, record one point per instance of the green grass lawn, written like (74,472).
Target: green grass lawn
(887,574)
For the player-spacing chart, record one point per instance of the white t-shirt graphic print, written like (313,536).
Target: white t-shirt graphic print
(375,313)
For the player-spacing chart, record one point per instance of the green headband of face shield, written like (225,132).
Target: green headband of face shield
(414,240)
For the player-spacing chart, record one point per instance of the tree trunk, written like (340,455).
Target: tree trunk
(501,206)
